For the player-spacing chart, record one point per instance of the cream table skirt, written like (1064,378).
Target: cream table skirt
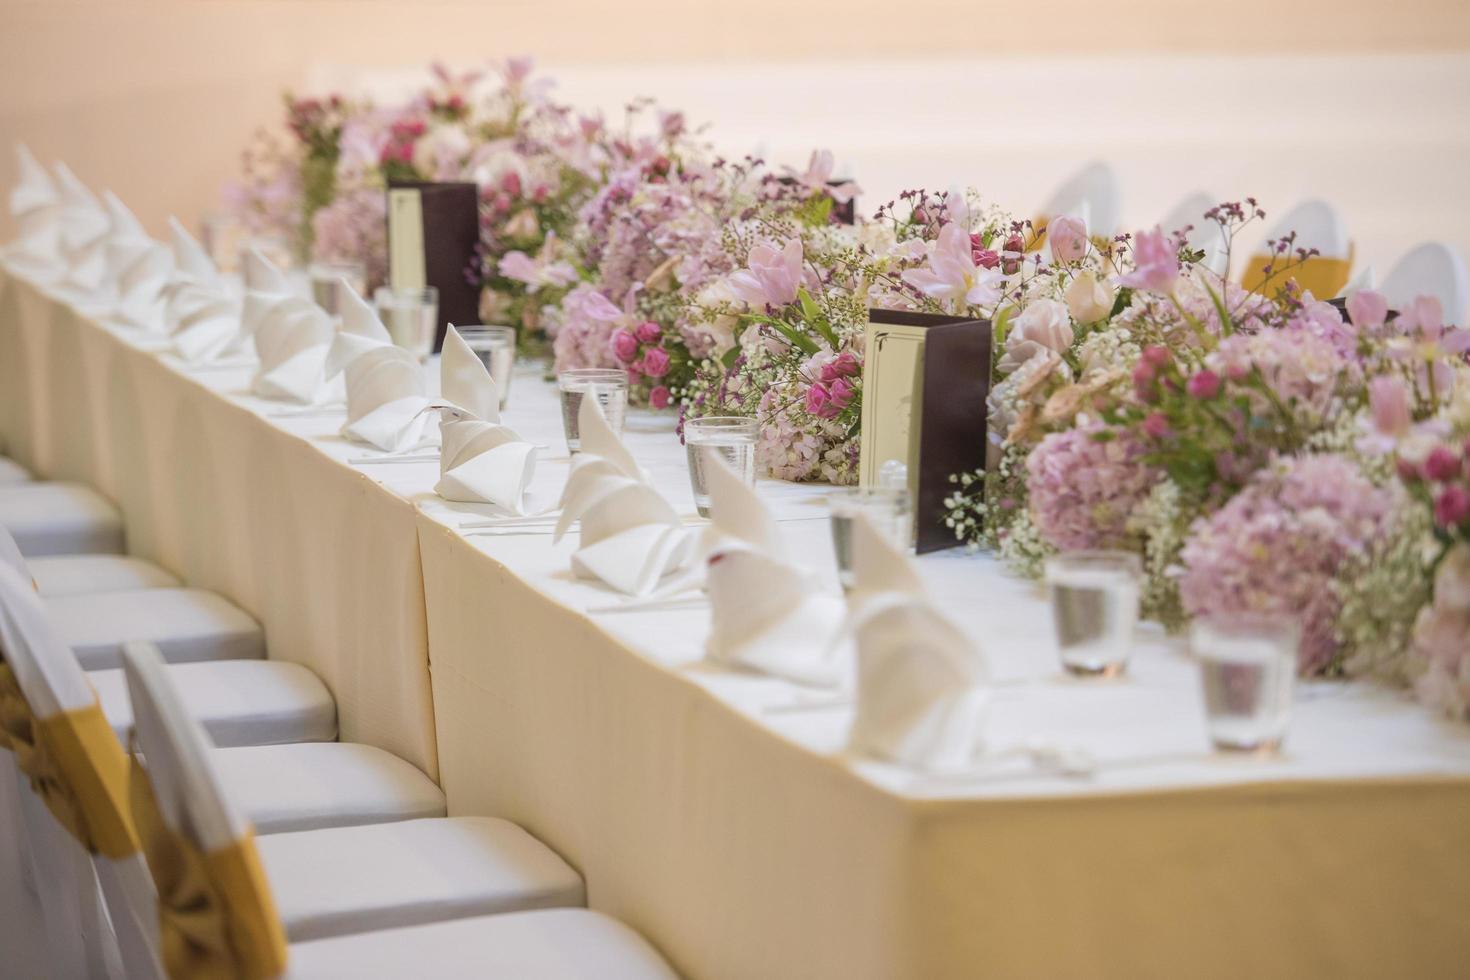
(218,490)
(714,811)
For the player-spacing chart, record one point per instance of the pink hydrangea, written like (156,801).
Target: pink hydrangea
(1083,489)
(1277,547)
(353,228)
(1302,368)
(1441,642)
(586,323)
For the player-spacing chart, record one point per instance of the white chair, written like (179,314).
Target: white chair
(1431,269)
(100,602)
(337,883)
(1205,235)
(1091,194)
(12,472)
(1317,226)
(60,519)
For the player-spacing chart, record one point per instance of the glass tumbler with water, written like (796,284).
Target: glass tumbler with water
(495,346)
(327,278)
(1094,607)
(411,317)
(729,438)
(887,508)
(1248,670)
(608,385)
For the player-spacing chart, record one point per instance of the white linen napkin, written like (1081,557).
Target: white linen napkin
(922,686)
(292,337)
(84,232)
(482,461)
(385,384)
(631,537)
(767,613)
(203,318)
(137,268)
(35,204)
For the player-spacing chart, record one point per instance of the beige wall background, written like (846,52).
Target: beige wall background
(1362,101)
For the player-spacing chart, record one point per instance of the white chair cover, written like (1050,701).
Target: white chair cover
(1431,269)
(1206,235)
(1091,194)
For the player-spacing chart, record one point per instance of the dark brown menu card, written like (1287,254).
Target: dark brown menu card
(926,379)
(433,229)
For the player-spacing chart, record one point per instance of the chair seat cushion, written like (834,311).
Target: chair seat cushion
(85,574)
(60,519)
(239,702)
(12,472)
(288,788)
(358,879)
(562,944)
(186,625)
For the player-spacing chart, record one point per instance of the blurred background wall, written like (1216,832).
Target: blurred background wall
(1363,102)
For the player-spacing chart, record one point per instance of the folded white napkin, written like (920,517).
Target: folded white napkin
(767,613)
(203,317)
(35,204)
(84,233)
(137,269)
(385,384)
(922,690)
(631,536)
(292,337)
(482,460)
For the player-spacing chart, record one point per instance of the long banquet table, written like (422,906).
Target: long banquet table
(714,810)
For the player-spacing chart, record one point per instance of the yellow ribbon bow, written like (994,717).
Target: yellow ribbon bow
(216,917)
(75,765)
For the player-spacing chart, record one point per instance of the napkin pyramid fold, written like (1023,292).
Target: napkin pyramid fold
(292,337)
(35,204)
(385,389)
(630,536)
(201,314)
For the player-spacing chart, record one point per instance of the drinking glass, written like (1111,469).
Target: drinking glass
(608,385)
(1248,669)
(411,317)
(729,438)
(1094,607)
(327,278)
(887,507)
(496,348)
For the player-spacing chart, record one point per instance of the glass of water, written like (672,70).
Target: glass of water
(1248,667)
(608,385)
(327,278)
(888,508)
(495,346)
(411,317)
(731,439)
(1094,607)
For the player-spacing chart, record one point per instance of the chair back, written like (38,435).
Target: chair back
(1431,269)
(1317,226)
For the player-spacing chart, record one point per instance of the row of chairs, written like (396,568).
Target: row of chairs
(252,843)
(1428,269)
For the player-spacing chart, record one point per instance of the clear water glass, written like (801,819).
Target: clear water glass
(327,279)
(608,385)
(1248,669)
(495,346)
(888,508)
(728,438)
(411,317)
(1094,608)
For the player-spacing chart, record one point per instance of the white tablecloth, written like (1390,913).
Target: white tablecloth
(709,808)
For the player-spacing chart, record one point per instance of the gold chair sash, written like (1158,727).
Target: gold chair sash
(1323,277)
(75,764)
(216,915)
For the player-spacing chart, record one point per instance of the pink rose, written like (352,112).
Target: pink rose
(659,397)
(1442,464)
(648,331)
(1067,237)
(840,394)
(844,365)
(819,402)
(1451,506)
(625,346)
(511,184)
(1204,385)
(1156,425)
(656,362)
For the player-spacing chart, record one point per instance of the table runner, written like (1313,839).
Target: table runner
(705,812)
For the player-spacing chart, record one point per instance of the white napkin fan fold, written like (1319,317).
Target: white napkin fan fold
(631,537)
(35,204)
(385,388)
(767,613)
(137,269)
(202,316)
(922,685)
(84,233)
(292,337)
